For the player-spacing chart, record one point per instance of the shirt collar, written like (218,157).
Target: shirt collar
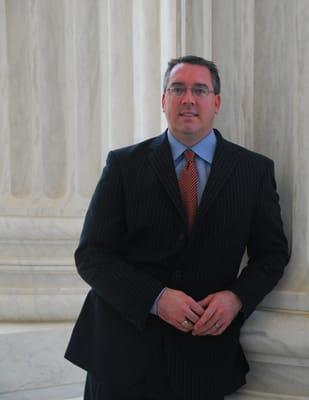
(205,148)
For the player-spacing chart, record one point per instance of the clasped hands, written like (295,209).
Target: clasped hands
(209,316)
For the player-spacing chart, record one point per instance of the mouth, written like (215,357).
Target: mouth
(188,114)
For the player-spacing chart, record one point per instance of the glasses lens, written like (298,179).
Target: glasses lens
(177,90)
(200,91)
(197,91)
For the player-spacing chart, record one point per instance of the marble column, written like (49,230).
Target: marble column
(264,65)
(280,125)
(74,83)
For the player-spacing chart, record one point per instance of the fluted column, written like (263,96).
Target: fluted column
(146,68)
(78,78)
(233,50)
(41,196)
(281,124)
(264,64)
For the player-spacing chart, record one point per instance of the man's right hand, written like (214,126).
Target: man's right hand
(175,307)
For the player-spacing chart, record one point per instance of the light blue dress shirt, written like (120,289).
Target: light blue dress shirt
(204,153)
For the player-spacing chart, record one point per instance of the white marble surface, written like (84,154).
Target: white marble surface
(234,52)
(37,265)
(281,123)
(34,361)
(79,78)
(278,334)
(277,347)
(146,54)
(41,304)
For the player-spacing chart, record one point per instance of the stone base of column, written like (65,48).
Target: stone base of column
(32,364)
(250,395)
(276,344)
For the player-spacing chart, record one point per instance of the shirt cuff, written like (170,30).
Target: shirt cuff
(154,307)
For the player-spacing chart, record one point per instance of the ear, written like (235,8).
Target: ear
(163,101)
(217,103)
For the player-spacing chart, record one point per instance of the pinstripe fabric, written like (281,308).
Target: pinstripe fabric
(135,242)
(188,181)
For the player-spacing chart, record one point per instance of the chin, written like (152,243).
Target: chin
(188,133)
(189,130)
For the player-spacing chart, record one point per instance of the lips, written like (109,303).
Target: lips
(188,114)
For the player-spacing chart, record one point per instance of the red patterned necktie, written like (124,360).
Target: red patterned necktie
(188,186)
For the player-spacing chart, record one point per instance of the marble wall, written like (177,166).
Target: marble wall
(68,71)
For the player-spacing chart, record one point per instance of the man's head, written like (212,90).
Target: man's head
(194,60)
(191,97)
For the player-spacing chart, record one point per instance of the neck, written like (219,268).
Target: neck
(189,139)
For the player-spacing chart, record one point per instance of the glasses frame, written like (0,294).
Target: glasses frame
(192,89)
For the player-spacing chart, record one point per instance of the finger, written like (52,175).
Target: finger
(223,327)
(215,327)
(190,315)
(216,331)
(213,331)
(196,308)
(210,324)
(206,301)
(185,325)
(205,318)
(206,327)
(223,318)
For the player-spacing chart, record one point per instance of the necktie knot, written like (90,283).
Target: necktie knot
(189,155)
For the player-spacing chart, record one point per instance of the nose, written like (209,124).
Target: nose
(188,97)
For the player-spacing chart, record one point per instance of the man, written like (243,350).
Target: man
(161,247)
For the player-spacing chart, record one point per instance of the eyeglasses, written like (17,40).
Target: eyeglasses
(199,91)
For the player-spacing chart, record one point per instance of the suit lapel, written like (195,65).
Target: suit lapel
(162,161)
(224,162)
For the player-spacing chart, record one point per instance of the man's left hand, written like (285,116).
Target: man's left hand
(220,310)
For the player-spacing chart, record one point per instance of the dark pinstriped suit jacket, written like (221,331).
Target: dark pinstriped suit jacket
(134,243)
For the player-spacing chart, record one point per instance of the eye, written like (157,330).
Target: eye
(200,91)
(178,90)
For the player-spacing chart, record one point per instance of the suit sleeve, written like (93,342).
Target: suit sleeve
(267,247)
(100,257)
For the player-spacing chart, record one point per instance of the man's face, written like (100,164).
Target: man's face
(189,117)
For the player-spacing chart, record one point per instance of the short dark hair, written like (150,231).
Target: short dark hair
(211,66)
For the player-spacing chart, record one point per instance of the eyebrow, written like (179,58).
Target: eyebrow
(183,84)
